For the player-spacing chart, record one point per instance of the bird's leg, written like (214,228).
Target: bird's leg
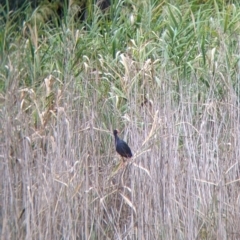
(125,161)
(122,162)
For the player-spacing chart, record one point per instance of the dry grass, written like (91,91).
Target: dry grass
(59,177)
(59,172)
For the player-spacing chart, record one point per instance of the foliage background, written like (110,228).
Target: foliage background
(165,73)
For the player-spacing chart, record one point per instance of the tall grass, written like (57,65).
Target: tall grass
(167,76)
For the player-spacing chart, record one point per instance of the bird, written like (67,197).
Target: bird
(121,147)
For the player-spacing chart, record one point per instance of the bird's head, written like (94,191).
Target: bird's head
(115,132)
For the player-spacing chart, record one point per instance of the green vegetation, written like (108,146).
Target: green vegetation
(166,74)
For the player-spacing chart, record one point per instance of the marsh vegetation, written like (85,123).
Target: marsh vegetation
(167,76)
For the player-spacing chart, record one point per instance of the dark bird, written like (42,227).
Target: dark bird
(121,147)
